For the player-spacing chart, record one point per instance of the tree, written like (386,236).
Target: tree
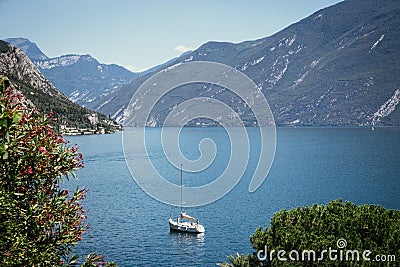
(239,261)
(340,226)
(40,221)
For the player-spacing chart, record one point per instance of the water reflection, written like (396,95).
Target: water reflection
(187,238)
(183,247)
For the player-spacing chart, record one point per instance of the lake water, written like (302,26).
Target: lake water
(311,165)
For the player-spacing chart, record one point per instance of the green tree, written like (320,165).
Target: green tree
(40,221)
(239,260)
(320,227)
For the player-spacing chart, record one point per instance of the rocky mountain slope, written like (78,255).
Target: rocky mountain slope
(80,77)
(26,78)
(28,48)
(339,66)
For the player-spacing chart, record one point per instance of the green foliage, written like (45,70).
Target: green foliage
(239,261)
(318,228)
(40,221)
(65,112)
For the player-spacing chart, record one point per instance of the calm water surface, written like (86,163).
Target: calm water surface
(312,165)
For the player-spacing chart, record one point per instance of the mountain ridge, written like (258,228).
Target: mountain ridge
(28,48)
(82,78)
(27,78)
(338,66)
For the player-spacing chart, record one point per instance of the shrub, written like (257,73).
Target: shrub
(40,221)
(318,228)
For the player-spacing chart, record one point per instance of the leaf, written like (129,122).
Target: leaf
(3,148)
(3,151)
(74,175)
(3,122)
(17,117)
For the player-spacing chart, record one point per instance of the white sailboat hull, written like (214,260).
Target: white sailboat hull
(186,227)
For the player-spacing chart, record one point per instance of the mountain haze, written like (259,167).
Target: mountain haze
(339,66)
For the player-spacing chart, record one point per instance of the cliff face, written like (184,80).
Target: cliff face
(17,66)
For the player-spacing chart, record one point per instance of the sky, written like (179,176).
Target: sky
(141,34)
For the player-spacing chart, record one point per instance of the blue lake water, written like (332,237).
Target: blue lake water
(311,165)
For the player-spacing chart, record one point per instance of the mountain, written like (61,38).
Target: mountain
(339,66)
(80,77)
(27,78)
(28,48)
(161,66)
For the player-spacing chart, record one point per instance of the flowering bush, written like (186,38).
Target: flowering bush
(40,221)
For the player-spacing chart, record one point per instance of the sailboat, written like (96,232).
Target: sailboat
(185,223)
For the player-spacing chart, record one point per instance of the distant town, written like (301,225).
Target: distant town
(94,120)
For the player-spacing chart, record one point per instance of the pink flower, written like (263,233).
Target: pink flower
(24,119)
(30,170)
(65,192)
(42,150)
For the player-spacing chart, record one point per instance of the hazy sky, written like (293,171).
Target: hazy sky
(142,34)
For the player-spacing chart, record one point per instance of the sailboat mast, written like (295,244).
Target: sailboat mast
(181,188)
